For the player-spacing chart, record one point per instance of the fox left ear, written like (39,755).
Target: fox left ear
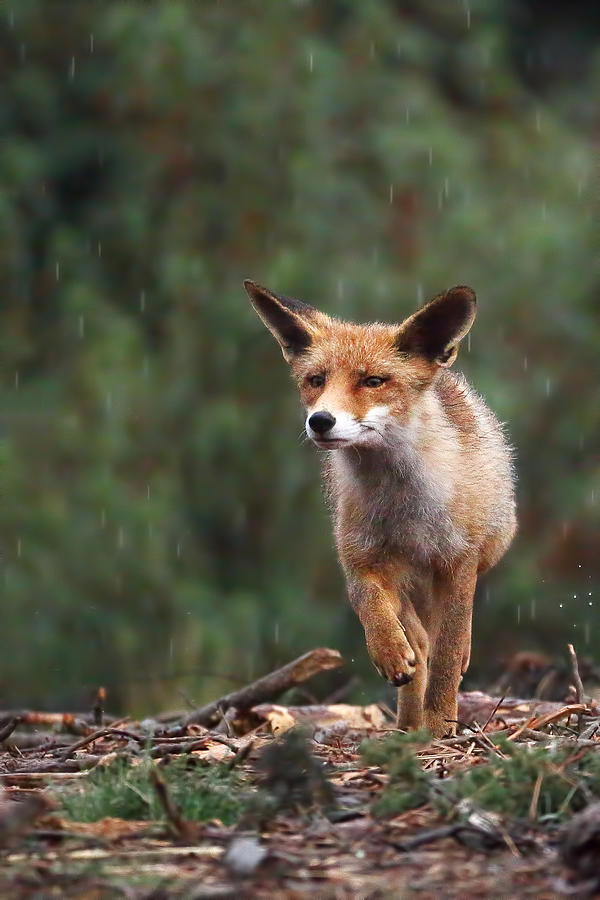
(435,330)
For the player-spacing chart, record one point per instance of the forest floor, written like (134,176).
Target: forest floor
(324,801)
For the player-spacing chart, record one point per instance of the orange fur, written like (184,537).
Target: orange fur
(419,479)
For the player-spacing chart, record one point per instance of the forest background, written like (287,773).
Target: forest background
(161,523)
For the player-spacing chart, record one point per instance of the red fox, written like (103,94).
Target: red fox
(419,478)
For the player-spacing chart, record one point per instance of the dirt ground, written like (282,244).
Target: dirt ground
(307,851)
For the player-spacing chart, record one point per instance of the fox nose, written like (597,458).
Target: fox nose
(321,422)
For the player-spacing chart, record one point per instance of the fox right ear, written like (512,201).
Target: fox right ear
(287,319)
(435,330)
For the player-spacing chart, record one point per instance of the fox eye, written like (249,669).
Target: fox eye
(373,381)
(316,381)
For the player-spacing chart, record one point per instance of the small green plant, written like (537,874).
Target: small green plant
(525,782)
(409,786)
(200,791)
(528,782)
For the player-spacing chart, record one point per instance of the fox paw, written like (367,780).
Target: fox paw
(392,655)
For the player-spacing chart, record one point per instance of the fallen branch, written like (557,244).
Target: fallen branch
(269,686)
(475,706)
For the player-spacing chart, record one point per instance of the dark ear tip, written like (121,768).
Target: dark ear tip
(464,291)
(250,285)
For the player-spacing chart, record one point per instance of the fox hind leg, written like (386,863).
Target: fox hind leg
(412,695)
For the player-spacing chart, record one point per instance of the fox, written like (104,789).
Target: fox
(419,478)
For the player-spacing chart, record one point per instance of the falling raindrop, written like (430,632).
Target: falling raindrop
(430,156)
(340,288)
(72,69)
(276,632)
(57,270)
(81,327)
(120,538)
(525,363)
(142,301)
(19,547)
(99,249)
(102,518)
(391,194)
(469,342)
(519,614)
(178,550)
(108,401)
(532,609)
(17,380)
(372,49)
(92,42)
(548,387)
(147,492)
(310,62)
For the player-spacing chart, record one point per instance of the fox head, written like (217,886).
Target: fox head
(358,383)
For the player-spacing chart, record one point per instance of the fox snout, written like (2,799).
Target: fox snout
(321,422)
(340,428)
(330,431)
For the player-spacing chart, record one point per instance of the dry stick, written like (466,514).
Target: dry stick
(44,766)
(579,692)
(268,686)
(175,819)
(103,732)
(495,709)
(8,729)
(535,796)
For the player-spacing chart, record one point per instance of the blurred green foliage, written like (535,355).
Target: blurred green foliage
(161,523)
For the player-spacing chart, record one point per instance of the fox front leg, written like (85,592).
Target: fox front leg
(378,607)
(450,640)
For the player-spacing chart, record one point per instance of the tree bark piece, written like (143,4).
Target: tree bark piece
(269,686)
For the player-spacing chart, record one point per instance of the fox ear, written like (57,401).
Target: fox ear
(285,318)
(435,330)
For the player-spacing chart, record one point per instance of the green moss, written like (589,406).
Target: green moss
(564,780)
(200,791)
(409,786)
(567,780)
